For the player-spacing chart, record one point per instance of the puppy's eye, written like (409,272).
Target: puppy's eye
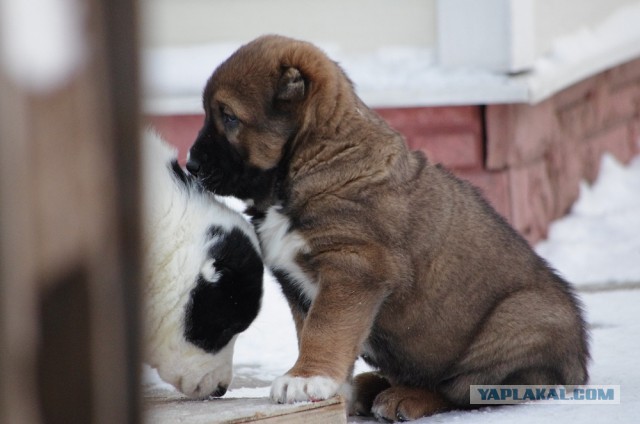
(230,120)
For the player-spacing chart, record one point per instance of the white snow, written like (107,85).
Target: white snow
(586,52)
(596,246)
(269,347)
(410,75)
(183,71)
(599,241)
(394,75)
(43,42)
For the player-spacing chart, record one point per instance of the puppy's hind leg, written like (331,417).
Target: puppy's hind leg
(403,403)
(531,338)
(366,387)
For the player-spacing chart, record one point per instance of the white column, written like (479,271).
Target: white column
(496,35)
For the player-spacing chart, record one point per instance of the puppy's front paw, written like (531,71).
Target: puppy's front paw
(289,389)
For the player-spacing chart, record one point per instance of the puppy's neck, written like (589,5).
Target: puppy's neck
(274,188)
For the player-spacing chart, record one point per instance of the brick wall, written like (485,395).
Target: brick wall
(528,160)
(547,148)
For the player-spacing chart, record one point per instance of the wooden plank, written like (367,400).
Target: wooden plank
(173,409)
(18,323)
(69,257)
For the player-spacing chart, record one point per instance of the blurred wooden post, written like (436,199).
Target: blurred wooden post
(69,243)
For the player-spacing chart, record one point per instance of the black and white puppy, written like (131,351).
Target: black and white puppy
(203,276)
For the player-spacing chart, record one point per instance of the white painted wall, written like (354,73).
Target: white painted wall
(364,25)
(509,35)
(497,35)
(355,25)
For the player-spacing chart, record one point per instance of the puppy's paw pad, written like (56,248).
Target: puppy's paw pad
(290,389)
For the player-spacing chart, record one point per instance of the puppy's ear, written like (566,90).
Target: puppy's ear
(291,85)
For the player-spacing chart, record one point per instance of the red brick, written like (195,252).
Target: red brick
(575,93)
(448,135)
(584,116)
(621,105)
(518,134)
(614,141)
(434,118)
(564,169)
(532,201)
(634,135)
(602,104)
(499,125)
(455,150)
(625,74)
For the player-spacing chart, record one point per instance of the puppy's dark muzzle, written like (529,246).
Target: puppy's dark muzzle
(193,166)
(211,179)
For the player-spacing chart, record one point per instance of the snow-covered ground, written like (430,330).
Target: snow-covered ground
(597,246)
(599,242)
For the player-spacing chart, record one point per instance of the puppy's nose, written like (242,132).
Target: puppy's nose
(193,166)
(220,391)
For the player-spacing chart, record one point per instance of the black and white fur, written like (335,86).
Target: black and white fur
(203,276)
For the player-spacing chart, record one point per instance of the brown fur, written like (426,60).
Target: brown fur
(402,403)
(414,270)
(368,386)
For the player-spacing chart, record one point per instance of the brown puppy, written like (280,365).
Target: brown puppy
(379,253)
